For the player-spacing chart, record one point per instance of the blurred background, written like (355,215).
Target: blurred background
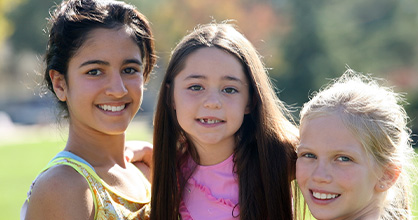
(303,44)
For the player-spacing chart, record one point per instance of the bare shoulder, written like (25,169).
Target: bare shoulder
(60,193)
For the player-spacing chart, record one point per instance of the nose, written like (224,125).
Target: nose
(213,100)
(116,86)
(322,173)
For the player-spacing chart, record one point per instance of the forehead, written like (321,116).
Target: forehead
(212,61)
(329,133)
(113,36)
(112,42)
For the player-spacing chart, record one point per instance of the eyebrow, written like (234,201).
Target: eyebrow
(101,62)
(225,78)
(333,151)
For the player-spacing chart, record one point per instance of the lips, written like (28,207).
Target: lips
(111,108)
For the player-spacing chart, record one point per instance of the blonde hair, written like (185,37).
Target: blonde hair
(376,117)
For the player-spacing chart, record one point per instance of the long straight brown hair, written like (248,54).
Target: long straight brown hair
(264,157)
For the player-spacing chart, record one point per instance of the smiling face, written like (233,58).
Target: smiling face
(337,179)
(211,96)
(104,82)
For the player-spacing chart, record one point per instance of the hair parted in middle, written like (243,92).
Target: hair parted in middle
(264,156)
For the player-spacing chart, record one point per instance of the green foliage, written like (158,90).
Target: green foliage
(29,22)
(6,28)
(376,36)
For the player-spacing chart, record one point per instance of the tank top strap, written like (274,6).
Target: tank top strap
(108,204)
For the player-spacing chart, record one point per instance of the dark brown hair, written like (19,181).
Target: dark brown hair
(264,157)
(73,20)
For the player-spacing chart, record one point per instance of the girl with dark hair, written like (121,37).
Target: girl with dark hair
(223,144)
(99,56)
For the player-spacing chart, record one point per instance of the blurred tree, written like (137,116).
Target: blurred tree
(173,19)
(304,54)
(372,36)
(29,21)
(303,42)
(375,36)
(6,27)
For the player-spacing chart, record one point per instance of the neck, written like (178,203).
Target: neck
(371,212)
(98,149)
(213,154)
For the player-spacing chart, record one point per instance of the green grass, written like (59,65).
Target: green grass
(25,151)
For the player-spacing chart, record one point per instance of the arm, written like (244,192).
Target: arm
(140,154)
(60,193)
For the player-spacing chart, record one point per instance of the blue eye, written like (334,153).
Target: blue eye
(196,88)
(94,72)
(230,90)
(343,159)
(130,70)
(309,155)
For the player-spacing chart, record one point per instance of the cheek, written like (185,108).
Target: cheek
(302,172)
(136,86)
(351,177)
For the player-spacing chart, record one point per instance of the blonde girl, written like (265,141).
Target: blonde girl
(354,153)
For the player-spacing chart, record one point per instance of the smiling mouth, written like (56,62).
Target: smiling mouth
(324,196)
(209,121)
(110,108)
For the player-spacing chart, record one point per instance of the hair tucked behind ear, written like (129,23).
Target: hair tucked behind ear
(73,20)
(264,157)
(376,117)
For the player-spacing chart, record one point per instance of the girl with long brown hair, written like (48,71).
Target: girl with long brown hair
(223,142)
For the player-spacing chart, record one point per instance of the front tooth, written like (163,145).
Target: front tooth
(324,196)
(113,108)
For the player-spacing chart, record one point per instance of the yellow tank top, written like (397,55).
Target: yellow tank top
(108,204)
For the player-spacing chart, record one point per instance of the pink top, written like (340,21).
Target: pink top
(211,193)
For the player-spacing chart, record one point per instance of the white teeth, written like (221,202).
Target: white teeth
(209,121)
(112,108)
(324,195)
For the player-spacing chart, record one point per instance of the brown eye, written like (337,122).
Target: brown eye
(130,70)
(94,72)
(196,88)
(230,90)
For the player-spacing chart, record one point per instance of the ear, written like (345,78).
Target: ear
(59,85)
(389,176)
